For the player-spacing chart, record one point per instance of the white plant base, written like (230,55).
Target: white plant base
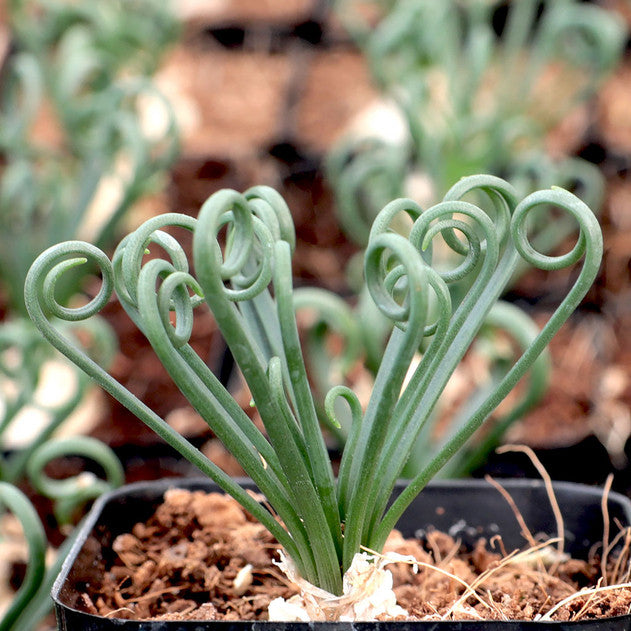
(367,593)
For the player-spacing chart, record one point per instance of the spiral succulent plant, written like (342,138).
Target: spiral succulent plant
(241,269)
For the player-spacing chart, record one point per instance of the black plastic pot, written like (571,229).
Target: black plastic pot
(465,508)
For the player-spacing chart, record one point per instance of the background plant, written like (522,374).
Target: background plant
(77,154)
(83,70)
(345,345)
(247,284)
(479,84)
(23,358)
(32,601)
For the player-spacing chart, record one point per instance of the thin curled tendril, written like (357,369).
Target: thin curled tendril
(393,279)
(383,221)
(343,392)
(269,206)
(247,262)
(388,252)
(541,260)
(16,502)
(380,281)
(589,245)
(424,231)
(173,295)
(72,492)
(128,257)
(52,264)
(234,205)
(579,176)
(250,285)
(503,199)
(388,278)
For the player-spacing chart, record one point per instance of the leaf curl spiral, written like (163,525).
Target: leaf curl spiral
(71,492)
(242,247)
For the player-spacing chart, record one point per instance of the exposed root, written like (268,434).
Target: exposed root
(525,531)
(367,593)
(581,594)
(605,510)
(547,480)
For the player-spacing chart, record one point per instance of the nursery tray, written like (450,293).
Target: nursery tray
(466,509)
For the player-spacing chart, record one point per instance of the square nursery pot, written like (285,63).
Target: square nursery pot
(467,509)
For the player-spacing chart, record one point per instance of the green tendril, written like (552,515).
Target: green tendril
(72,492)
(241,270)
(18,504)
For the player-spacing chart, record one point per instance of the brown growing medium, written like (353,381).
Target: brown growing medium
(228,102)
(622,7)
(613,111)
(337,86)
(190,553)
(251,12)
(187,562)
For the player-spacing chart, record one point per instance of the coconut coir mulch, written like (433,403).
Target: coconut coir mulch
(202,557)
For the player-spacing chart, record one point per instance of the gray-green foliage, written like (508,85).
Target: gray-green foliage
(246,282)
(76,155)
(32,601)
(73,89)
(83,70)
(472,100)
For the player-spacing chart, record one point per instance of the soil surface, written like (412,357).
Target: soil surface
(336,90)
(227,101)
(202,557)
